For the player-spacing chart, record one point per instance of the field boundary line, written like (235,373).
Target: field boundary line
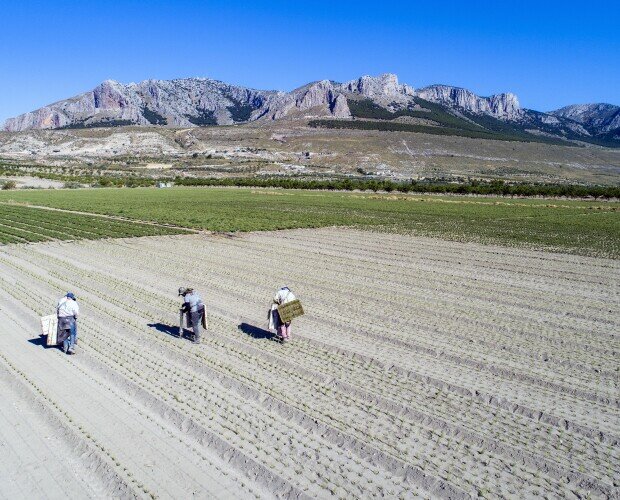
(103,216)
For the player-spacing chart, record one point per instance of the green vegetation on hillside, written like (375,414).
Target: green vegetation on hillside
(205,118)
(153,117)
(587,228)
(101,124)
(390,126)
(367,109)
(239,111)
(475,126)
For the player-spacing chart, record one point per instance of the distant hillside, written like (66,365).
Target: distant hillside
(382,101)
(596,118)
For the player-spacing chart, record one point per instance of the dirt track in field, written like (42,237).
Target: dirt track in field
(422,368)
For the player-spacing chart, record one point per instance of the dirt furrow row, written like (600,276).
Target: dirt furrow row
(420,367)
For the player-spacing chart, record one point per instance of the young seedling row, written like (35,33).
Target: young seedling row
(22,224)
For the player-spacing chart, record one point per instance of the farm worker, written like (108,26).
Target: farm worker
(67,311)
(282,296)
(193,304)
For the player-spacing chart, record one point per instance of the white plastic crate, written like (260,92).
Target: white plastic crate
(49,327)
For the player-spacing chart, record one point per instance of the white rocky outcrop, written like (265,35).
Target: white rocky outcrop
(321,98)
(382,86)
(600,116)
(340,108)
(502,106)
(325,96)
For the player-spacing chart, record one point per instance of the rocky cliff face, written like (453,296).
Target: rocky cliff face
(503,106)
(385,86)
(330,98)
(321,98)
(597,117)
(182,103)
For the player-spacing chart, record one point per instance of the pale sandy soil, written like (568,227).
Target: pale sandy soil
(422,368)
(32,182)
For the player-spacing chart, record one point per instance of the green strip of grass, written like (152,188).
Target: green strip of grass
(586,228)
(21,223)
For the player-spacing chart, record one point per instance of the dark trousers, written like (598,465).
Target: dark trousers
(69,342)
(67,332)
(196,320)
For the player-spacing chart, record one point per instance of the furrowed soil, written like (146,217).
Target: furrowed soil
(422,368)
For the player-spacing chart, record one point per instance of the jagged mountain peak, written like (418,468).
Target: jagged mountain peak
(385,85)
(317,83)
(586,108)
(454,88)
(602,117)
(505,105)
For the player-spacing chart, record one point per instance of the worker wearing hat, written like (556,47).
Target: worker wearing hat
(67,311)
(283,330)
(194,307)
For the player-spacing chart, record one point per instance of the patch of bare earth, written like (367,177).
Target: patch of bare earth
(422,368)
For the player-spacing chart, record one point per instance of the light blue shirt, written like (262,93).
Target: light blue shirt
(194,302)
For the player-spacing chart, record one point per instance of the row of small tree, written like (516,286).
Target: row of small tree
(498,187)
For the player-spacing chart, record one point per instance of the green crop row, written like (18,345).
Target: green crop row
(19,224)
(581,227)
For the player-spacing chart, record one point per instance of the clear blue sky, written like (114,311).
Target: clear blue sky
(549,53)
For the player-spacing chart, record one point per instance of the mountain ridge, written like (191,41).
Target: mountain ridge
(601,115)
(200,101)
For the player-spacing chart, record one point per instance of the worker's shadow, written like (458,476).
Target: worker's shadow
(256,332)
(41,340)
(170,330)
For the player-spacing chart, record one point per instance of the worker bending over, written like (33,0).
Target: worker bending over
(67,311)
(283,330)
(194,307)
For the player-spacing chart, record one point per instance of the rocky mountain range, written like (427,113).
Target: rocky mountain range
(603,117)
(194,102)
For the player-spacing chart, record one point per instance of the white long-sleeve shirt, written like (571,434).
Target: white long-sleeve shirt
(283,296)
(67,307)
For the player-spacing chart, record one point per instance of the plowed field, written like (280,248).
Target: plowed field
(422,368)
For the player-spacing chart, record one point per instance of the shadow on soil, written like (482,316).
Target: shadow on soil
(171,330)
(42,341)
(256,332)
